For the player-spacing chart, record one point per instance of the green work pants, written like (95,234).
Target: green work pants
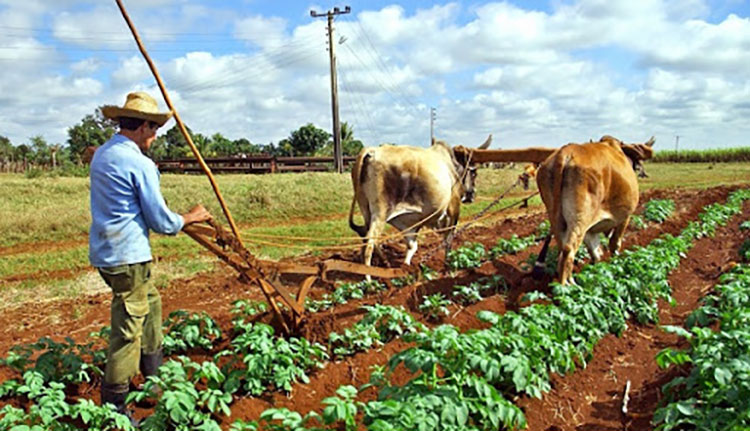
(136,320)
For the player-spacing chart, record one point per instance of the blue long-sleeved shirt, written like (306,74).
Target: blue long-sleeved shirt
(126,202)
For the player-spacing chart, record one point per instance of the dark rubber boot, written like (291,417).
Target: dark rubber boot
(151,362)
(116,395)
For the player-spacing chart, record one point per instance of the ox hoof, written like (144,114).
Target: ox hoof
(538,272)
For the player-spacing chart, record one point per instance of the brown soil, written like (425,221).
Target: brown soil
(31,247)
(589,399)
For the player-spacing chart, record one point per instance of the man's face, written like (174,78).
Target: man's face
(147,135)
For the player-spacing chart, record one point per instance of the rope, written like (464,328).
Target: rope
(480,215)
(463,225)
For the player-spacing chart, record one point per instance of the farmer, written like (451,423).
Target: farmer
(126,203)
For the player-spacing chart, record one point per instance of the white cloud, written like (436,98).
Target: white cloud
(87,66)
(630,68)
(131,71)
(261,31)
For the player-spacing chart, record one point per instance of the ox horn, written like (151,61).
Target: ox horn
(486,143)
(650,142)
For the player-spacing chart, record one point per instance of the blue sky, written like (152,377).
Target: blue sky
(529,72)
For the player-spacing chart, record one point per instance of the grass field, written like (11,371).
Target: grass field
(45,221)
(741,154)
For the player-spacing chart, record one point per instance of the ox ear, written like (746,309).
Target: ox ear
(459,156)
(633,152)
(650,142)
(486,143)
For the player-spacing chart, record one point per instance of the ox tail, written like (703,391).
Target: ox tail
(360,229)
(358,172)
(538,271)
(558,182)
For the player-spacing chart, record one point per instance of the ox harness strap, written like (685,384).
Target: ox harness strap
(449,238)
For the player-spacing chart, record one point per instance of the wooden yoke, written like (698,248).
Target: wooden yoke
(527,155)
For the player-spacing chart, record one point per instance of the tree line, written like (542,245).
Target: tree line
(94,130)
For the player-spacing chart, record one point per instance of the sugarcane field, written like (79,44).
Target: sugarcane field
(381,216)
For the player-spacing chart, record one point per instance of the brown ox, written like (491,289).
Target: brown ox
(529,172)
(589,189)
(410,188)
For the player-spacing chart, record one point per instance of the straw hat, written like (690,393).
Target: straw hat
(138,105)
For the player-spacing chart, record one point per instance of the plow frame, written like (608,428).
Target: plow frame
(267,274)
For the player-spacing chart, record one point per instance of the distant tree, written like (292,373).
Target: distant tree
(22,152)
(7,151)
(93,130)
(349,145)
(243,146)
(307,140)
(351,148)
(203,144)
(285,148)
(158,149)
(222,146)
(270,149)
(176,145)
(40,151)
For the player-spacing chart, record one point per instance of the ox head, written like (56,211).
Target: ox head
(467,170)
(637,153)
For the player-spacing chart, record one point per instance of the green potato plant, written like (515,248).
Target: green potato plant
(185,331)
(658,210)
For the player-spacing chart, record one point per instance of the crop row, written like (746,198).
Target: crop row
(472,255)
(463,381)
(715,395)
(476,368)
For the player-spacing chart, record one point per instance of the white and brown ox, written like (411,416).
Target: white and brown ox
(410,188)
(589,189)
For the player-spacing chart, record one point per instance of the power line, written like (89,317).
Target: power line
(359,105)
(164,47)
(153,41)
(374,53)
(272,60)
(124,33)
(397,97)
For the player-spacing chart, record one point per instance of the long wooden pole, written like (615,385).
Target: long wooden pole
(337,154)
(180,124)
(528,155)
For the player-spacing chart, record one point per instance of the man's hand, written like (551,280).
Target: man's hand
(196,215)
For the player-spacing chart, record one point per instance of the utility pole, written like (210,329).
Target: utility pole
(432,125)
(676,142)
(338,158)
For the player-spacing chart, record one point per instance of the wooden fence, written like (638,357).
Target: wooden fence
(253,164)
